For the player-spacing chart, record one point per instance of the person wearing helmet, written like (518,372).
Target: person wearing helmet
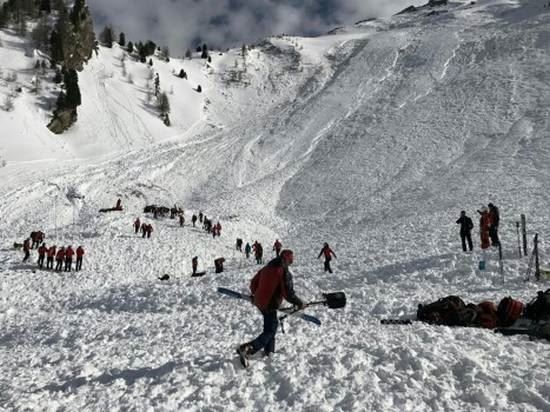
(328,253)
(269,287)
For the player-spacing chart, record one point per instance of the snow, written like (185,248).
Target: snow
(372,139)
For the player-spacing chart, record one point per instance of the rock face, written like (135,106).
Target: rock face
(80,41)
(62,120)
(433,3)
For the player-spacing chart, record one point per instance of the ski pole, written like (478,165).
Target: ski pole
(519,243)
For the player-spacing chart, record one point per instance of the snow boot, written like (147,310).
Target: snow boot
(244,351)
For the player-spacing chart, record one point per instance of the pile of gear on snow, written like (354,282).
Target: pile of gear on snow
(509,317)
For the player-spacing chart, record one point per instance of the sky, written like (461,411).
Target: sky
(182,24)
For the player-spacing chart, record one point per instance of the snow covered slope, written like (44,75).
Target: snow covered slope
(372,138)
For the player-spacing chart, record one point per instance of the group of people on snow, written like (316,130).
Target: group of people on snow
(488,227)
(146,228)
(63,256)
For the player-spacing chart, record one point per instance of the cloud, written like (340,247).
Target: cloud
(180,24)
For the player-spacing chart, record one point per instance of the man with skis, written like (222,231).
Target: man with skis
(466,226)
(269,286)
(328,253)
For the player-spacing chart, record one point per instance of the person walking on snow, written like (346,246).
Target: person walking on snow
(200,217)
(51,256)
(247,250)
(277,247)
(484,225)
(258,252)
(149,230)
(42,250)
(269,287)
(328,253)
(59,257)
(195,264)
(143,230)
(27,249)
(137,225)
(466,227)
(493,228)
(69,253)
(79,255)
(239,245)
(218,229)
(194,219)
(182,220)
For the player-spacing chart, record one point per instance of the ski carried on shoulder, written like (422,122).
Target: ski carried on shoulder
(243,296)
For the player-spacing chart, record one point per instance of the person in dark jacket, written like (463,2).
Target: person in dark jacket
(79,257)
(247,250)
(27,249)
(42,250)
(137,225)
(493,228)
(194,219)
(69,253)
(328,253)
(466,226)
(269,287)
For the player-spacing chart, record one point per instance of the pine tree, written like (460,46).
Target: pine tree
(243,50)
(209,60)
(157,84)
(56,47)
(151,62)
(204,53)
(188,54)
(122,39)
(74,98)
(106,37)
(76,12)
(130,47)
(41,34)
(166,54)
(163,103)
(45,6)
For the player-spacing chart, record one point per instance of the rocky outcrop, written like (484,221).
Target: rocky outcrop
(62,120)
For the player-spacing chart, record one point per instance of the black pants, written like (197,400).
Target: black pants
(266,340)
(49,262)
(136,228)
(59,265)
(493,234)
(41,261)
(68,264)
(466,237)
(78,263)
(27,255)
(327,265)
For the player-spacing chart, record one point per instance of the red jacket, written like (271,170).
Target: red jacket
(79,252)
(271,284)
(42,251)
(327,251)
(277,245)
(51,251)
(60,254)
(137,223)
(69,253)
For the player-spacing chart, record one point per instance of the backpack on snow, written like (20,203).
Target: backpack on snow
(444,311)
(509,310)
(539,307)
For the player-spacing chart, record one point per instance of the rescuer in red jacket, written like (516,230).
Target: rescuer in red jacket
(269,287)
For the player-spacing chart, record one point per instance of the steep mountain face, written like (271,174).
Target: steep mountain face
(372,139)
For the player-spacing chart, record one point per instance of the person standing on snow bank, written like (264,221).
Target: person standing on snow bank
(69,253)
(484,225)
(27,248)
(277,247)
(137,225)
(42,250)
(79,255)
(328,253)
(51,256)
(59,257)
(493,228)
(466,226)
(195,264)
(269,286)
